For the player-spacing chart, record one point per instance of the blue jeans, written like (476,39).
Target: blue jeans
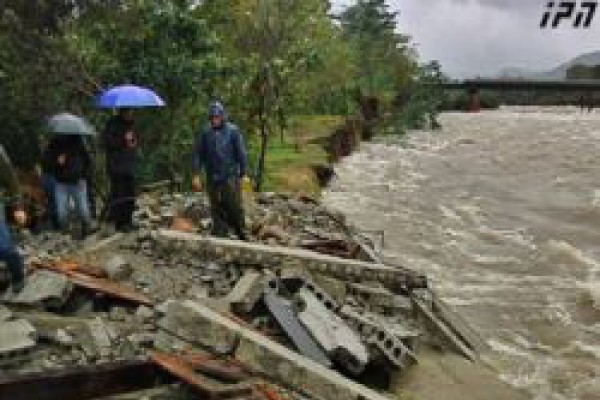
(63,194)
(9,253)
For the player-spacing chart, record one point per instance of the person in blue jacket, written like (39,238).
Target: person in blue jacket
(220,152)
(9,192)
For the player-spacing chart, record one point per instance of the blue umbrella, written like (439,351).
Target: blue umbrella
(128,96)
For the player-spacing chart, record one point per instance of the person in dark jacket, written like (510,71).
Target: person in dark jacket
(9,191)
(121,146)
(219,150)
(68,161)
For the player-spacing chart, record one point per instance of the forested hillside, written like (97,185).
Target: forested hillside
(269,61)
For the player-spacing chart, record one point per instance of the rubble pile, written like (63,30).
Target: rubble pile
(274,218)
(222,316)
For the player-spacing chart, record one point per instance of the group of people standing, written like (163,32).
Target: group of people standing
(67,175)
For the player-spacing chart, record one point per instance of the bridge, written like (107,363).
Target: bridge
(584,86)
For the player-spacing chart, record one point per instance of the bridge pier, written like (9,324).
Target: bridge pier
(474,100)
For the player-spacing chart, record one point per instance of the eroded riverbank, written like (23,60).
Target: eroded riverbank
(501,210)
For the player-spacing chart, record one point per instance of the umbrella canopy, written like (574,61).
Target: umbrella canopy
(128,96)
(69,124)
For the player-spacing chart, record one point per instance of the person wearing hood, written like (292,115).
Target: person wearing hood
(220,152)
(9,192)
(121,146)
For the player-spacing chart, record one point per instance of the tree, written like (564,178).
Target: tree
(275,49)
(162,45)
(384,57)
(421,100)
(38,73)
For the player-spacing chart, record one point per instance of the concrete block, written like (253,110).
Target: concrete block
(43,288)
(378,334)
(369,295)
(184,323)
(277,361)
(338,340)
(16,337)
(247,292)
(118,268)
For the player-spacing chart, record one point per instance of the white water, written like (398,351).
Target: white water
(502,210)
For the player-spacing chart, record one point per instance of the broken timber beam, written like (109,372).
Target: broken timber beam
(109,288)
(98,284)
(79,383)
(395,278)
(183,370)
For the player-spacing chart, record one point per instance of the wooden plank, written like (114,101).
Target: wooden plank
(109,288)
(65,267)
(181,369)
(214,368)
(79,383)
(88,277)
(97,284)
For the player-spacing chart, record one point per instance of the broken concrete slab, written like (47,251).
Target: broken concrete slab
(284,314)
(272,359)
(182,322)
(43,288)
(366,294)
(246,292)
(340,342)
(277,256)
(378,334)
(16,337)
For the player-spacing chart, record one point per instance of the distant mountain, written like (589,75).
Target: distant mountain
(559,72)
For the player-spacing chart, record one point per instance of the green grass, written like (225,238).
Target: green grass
(289,162)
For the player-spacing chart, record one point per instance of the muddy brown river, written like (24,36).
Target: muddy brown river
(502,210)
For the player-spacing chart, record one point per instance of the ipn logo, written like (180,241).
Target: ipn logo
(580,12)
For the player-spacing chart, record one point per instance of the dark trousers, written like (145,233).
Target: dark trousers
(122,199)
(9,254)
(49,187)
(226,208)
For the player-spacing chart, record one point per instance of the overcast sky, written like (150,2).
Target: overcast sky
(481,37)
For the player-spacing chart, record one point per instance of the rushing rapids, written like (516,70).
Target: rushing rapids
(501,210)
